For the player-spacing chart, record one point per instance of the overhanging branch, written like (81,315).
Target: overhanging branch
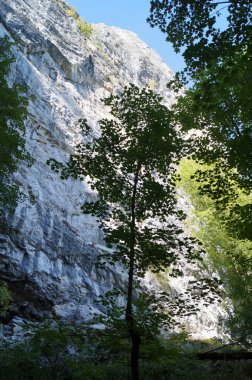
(228,356)
(228,2)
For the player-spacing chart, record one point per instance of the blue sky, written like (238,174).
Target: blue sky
(131,15)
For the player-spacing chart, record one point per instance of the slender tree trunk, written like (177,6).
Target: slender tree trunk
(135,341)
(133,333)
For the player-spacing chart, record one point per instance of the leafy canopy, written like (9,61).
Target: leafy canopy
(132,166)
(218,104)
(137,151)
(194,27)
(229,253)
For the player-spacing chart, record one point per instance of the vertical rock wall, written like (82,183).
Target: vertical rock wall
(47,249)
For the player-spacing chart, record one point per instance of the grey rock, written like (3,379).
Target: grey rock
(48,249)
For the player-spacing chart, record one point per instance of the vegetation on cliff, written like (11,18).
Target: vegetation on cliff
(84,27)
(14,100)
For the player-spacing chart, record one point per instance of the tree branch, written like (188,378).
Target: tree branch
(218,10)
(227,2)
(236,355)
(218,348)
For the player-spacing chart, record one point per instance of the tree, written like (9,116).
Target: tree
(230,255)
(219,65)
(215,142)
(132,166)
(218,104)
(195,27)
(14,100)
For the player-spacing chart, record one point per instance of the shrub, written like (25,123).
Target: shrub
(5,299)
(84,27)
(65,352)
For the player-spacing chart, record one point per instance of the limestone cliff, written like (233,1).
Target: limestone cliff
(47,248)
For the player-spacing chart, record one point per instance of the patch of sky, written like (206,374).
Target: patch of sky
(130,15)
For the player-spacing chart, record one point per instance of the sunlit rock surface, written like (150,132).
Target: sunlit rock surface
(48,248)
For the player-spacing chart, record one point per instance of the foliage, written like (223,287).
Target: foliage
(194,27)
(220,113)
(84,27)
(218,104)
(14,101)
(45,355)
(219,63)
(231,257)
(72,12)
(59,351)
(5,299)
(132,166)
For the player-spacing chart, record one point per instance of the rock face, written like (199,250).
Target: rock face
(47,248)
